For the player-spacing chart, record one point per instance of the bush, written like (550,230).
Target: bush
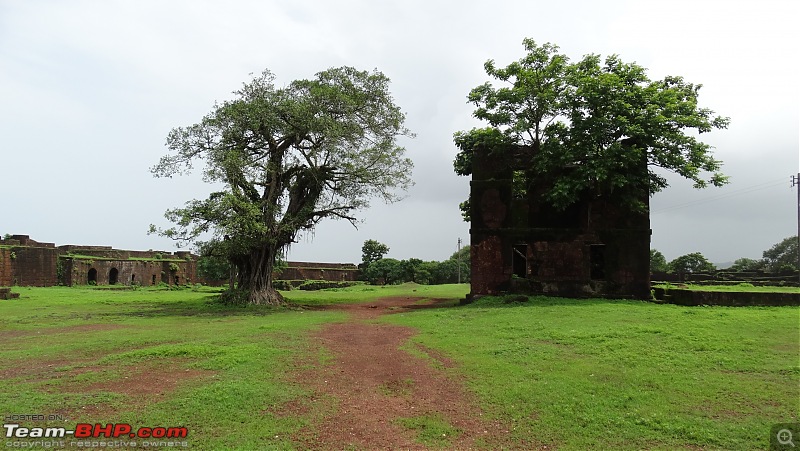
(282,285)
(235,297)
(313,285)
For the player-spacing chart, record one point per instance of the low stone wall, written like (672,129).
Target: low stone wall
(334,272)
(5,294)
(723,277)
(725,298)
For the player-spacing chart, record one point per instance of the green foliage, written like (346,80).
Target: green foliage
(604,119)
(287,158)
(312,285)
(412,270)
(212,267)
(173,267)
(13,255)
(694,262)
(392,271)
(371,251)
(236,296)
(385,270)
(746,264)
(782,256)
(658,263)
(465,210)
(476,139)
(60,271)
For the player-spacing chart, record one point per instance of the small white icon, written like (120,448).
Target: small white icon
(785,437)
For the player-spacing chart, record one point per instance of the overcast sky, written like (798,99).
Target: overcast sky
(90,89)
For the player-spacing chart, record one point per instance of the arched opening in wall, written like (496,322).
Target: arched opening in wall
(177,280)
(133,279)
(112,276)
(519,260)
(154,279)
(91,278)
(597,261)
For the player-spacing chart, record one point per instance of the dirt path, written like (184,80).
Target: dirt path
(371,383)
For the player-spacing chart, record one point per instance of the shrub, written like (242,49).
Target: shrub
(312,285)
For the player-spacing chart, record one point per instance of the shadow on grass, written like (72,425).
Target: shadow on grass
(208,306)
(517,300)
(211,306)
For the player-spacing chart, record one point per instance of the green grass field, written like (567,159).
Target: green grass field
(575,374)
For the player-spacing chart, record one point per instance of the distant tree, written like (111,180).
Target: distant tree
(694,262)
(372,251)
(603,119)
(287,157)
(464,260)
(385,270)
(212,267)
(410,270)
(782,256)
(746,264)
(213,263)
(657,262)
(442,272)
(423,273)
(463,254)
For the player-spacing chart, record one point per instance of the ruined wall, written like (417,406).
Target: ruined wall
(127,272)
(26,262)
(104,265)
(6,270)
(727,298)
(335,272)
(519,243)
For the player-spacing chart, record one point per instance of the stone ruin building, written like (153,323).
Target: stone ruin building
(521,244)
(26,262)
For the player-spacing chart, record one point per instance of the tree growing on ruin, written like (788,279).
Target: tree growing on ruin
(287,158)
(592,123)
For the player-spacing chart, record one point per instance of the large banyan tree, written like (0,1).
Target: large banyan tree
(287,157)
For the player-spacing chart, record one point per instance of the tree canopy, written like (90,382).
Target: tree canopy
(658,263)
(694,262)
(287,157)
(782,256)
(600,117)
(372,251)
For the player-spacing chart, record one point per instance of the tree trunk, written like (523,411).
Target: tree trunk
(256,277)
